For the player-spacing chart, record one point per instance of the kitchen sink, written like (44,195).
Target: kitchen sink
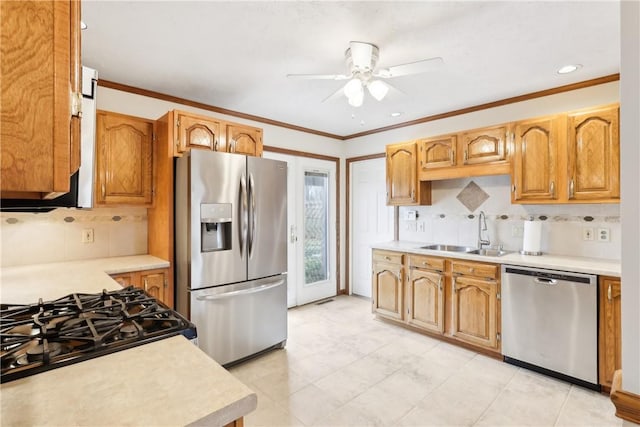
(449,248)
(488,252)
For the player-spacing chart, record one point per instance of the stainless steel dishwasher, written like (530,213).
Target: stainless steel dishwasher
(549,322)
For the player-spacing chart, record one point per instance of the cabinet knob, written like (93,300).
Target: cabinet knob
(145,285)
(387,258)
(609,296)
(552,189)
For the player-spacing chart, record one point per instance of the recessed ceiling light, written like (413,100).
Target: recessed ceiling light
(396,114)
(569,68)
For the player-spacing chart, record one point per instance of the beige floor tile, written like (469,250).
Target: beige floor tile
(280,385)
(529,399)
(588,408)
(382,407)
(310,404)
(344,367)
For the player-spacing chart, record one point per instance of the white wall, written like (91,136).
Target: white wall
(630,154)
(37,238)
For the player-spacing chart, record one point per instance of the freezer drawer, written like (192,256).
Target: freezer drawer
(239,320)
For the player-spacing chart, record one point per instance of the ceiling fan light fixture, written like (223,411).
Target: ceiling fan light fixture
(353,88)
(356,100)
(378,89)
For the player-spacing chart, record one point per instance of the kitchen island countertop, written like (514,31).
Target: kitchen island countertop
(554,262)
(166,382)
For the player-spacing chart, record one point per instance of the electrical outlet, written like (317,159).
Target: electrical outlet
(87,235)
(420,225)
(587,233)
(603,235)
(517,231)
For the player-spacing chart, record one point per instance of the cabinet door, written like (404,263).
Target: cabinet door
(243,140)
(40,69)
(154,282)
(535,173)
(594,155)
(610,346)
(197,132)
(124,154)
(125,279)
(402,174)
(475,314)
(425,305)
(438,152)
(387,290)
(484,145)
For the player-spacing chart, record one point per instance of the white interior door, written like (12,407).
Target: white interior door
(312,228)
(371,220)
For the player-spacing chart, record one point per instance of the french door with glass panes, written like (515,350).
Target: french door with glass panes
(311,200)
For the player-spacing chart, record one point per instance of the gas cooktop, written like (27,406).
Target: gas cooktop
(48,335)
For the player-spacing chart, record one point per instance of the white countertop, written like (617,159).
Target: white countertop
(27,283)
(555,262)
(166,382)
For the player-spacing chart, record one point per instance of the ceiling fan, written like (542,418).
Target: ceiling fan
(362,58)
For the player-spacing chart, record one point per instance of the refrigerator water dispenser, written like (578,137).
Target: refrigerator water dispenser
(215,227)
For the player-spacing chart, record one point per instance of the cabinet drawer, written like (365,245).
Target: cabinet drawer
(475,269)
(389,257)
(430,263)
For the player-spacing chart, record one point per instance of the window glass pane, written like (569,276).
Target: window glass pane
(316,226)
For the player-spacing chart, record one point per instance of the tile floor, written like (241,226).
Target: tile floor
(342,367)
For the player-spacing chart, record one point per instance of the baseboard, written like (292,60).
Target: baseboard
(627,404)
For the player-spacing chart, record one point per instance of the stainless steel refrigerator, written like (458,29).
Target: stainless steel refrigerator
(231,251)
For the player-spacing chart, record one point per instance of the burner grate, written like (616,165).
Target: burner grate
(46,335)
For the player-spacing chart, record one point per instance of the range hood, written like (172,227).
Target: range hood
(80,193)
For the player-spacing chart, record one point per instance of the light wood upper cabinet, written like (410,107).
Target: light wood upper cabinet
(124,160)
(403,187)
(437,152)
(535,160)
(41,78)
(387,285)
(195,131)
(475,310)
(486,145)
(594,155)
(243,139)
(610,335)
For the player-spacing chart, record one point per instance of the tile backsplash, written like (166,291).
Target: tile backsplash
(448,221)
(30,238)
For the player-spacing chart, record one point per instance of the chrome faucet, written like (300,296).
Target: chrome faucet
(482,226)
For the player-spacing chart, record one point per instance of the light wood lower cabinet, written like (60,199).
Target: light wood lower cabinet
(475,310)
(610,337)
(387,285)
(425,293)
(456,299)
(154,282)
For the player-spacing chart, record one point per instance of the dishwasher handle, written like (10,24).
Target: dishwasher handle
(545,281)
(257,289)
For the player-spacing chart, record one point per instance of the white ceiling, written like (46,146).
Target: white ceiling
(236,55)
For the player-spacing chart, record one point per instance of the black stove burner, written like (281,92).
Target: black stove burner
(47,335)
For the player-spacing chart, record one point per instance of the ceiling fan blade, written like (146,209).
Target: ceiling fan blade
(319,76)
(408,69)
(361,55)
(335,95)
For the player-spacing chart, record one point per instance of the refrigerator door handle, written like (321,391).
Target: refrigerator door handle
(242,213)
(257,289)
(252,214)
